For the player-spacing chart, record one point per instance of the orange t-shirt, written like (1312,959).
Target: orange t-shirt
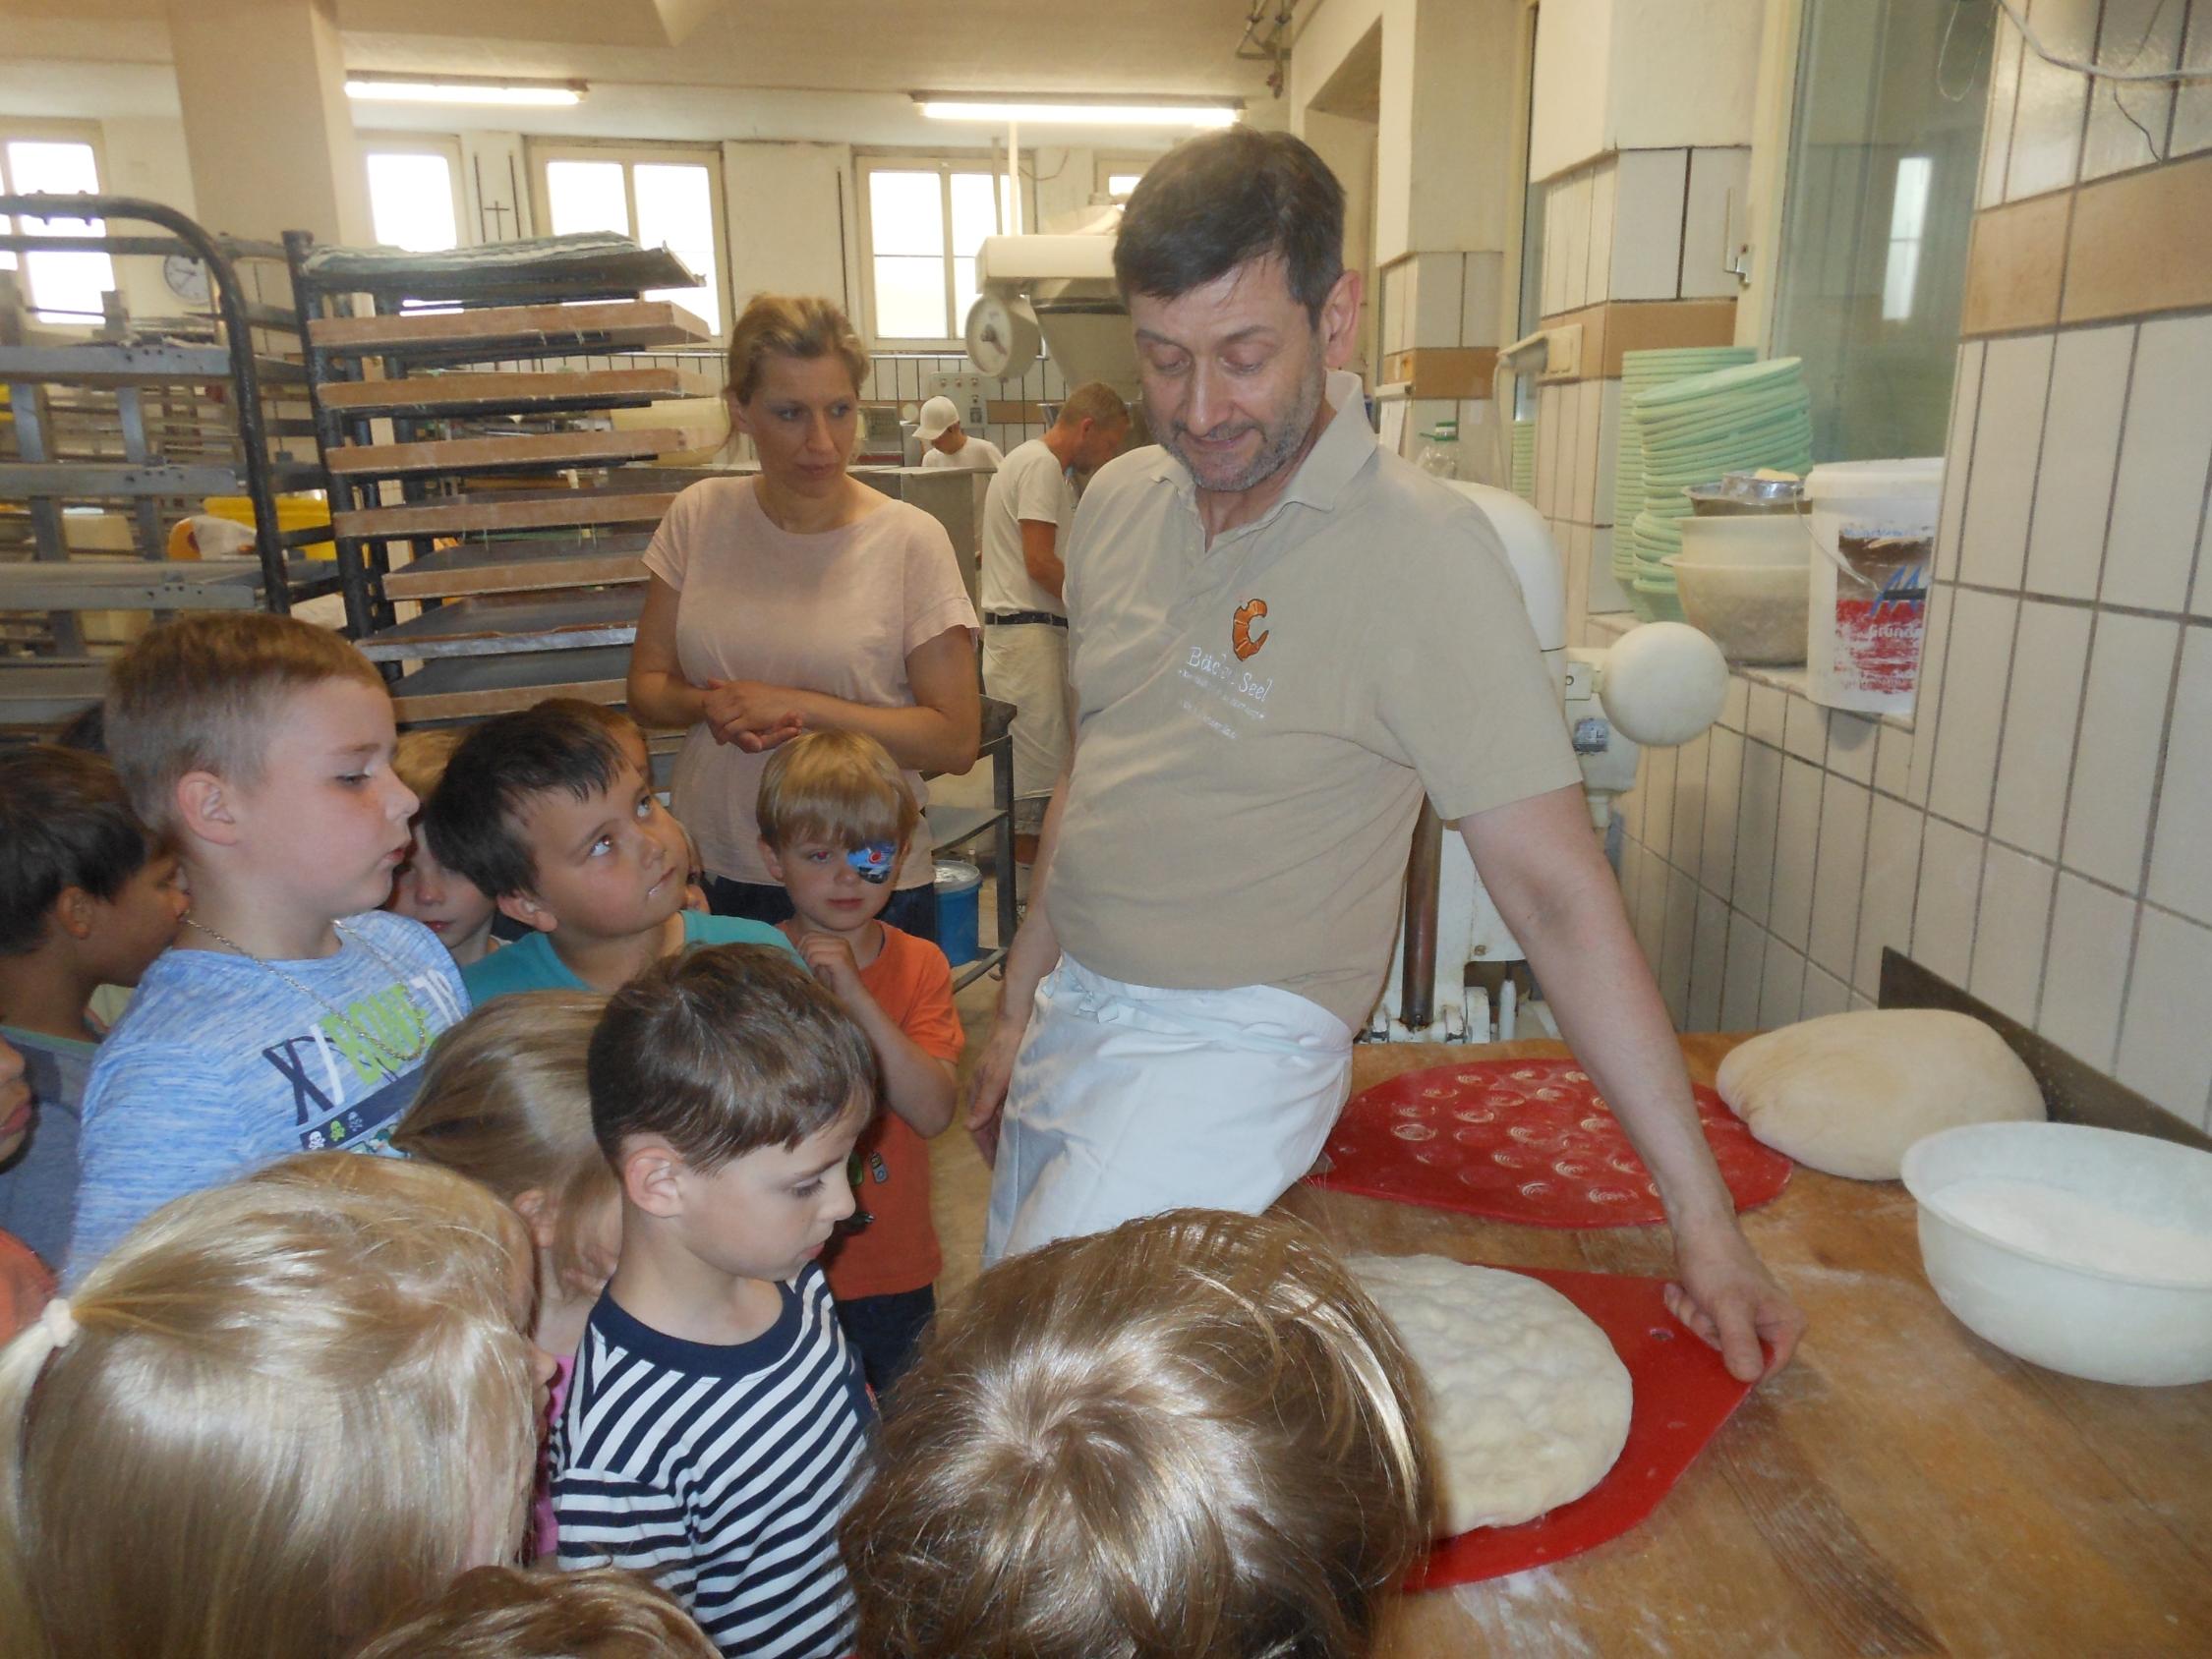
(25,1285)
(897,1250)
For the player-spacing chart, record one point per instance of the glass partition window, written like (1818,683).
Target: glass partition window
(1884,151)
(662,198)
(59,287)
(925,221)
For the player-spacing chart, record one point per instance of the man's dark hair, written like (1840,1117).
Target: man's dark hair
(65,822)
(1223,199)
(722,1051)
(473,820)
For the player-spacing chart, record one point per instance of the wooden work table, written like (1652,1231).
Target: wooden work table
(1903,1488)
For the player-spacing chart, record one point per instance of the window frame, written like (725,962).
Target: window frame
(447,144)
(539,151)
(865,164)
(40,128)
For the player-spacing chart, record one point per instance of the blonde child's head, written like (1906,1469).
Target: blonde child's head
(836,817)
(505,1101)
(276,1413)
(207,693)
(841,789)
(506,1613)
(1189,1438)
(420,757)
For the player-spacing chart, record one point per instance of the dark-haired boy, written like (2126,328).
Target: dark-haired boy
(86,900)
(547,810)
(716,1412)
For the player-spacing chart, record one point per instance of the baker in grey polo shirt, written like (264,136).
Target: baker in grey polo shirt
(1283,636)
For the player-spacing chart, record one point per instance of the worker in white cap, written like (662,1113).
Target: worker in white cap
(945,443)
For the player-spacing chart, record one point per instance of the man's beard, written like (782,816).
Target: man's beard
(1278,443)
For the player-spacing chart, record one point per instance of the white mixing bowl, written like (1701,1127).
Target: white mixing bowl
(2050,1304)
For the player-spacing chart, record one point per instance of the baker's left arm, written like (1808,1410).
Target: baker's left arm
(1552,887)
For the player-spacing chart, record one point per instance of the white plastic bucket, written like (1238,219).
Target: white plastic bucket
(1873,522)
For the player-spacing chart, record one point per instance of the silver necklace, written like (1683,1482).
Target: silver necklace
(368,1038)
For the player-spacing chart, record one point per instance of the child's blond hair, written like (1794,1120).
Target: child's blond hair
(1192,1436)
(842,787)
(505,1101)
(205,694)
(274,1413)
(421,756)
(506,1613)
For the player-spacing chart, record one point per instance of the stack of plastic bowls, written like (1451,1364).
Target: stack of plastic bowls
(1691,431)
(1524,460)
(1643,372)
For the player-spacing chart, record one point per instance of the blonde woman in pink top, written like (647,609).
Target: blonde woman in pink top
(798,600)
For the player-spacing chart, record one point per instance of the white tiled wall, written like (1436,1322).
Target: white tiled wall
(1642,224)
(2040,833)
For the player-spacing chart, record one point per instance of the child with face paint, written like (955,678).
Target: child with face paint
(835,820)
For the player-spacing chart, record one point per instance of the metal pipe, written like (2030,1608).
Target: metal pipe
(1416,985)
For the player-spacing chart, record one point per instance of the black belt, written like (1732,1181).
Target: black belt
(1008,618)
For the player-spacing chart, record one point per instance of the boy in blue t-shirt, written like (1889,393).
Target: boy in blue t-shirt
(548,812)
(292,1015)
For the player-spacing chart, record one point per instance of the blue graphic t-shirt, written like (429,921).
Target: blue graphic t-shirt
(220,1066)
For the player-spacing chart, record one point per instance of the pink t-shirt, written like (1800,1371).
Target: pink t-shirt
(545,1537)
(836,612)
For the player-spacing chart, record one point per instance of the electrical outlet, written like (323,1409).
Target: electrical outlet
(968,393)
(1562,358)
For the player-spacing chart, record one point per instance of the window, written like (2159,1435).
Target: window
(60,287)
(1116,174)
(925,221)
(414,190)
(1884,153)
(663,197)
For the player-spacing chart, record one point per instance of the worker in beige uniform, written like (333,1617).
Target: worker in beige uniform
(1282,637)
(1025,514)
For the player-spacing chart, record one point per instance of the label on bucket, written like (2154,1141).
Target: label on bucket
(1880,611)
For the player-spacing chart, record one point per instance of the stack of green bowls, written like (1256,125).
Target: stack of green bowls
(1689,431)
(1640,372)
(1524,460)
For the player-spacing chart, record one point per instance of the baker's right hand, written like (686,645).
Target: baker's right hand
(986,1086)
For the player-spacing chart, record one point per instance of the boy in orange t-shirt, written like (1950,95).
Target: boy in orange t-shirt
(835,820)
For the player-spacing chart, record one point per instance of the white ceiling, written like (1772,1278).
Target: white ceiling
(1160,47)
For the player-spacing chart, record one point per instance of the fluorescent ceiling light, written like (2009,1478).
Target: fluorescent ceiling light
(1044,111)
(379,89)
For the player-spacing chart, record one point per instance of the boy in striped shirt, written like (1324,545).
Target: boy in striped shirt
(717,1413)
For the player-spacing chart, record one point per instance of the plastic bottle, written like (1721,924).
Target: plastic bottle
(1439,450)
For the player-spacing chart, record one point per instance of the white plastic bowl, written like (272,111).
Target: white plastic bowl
(2053,1305)
(1746,582)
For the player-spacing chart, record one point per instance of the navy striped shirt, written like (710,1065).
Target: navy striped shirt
(719,1471)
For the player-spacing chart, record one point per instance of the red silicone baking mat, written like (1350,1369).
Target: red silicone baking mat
(1521,1140)
(1683,1395)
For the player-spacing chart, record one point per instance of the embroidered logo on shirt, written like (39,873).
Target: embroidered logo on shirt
(1242,640)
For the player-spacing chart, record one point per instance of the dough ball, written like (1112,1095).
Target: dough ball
(1848,1093)
(1527,1403)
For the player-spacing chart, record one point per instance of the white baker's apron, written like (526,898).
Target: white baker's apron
(1128,1100)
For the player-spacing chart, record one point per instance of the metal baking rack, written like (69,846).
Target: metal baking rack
(109,439)
(489,518)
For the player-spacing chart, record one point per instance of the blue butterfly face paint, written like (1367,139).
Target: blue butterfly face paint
(875,861)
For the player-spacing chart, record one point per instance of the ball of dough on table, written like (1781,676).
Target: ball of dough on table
(1847,1094)
(1525,1405)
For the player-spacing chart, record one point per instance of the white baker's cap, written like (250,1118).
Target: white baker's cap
(936,414)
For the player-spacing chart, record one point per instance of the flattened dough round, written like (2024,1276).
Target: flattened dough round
(1527,1403)
(1846,1094)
